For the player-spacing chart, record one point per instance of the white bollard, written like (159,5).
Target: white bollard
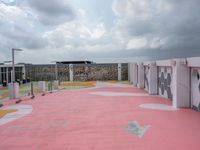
(13,90)
(41,86)
(56,84)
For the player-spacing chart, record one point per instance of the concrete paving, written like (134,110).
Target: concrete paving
(79,120)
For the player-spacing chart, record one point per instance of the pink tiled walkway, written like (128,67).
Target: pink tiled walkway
(77,120)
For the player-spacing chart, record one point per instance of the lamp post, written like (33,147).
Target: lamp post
(13,62)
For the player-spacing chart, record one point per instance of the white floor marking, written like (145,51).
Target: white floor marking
(107,84)
(118,94)
(22,110)
(158,107)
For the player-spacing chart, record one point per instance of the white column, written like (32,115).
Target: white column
(135,74)
(71,73)
(119,72)
(181,83)
(130,72)
(140,75)
(153,79)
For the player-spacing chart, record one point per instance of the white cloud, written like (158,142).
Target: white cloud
(144,43)
(140,9)
(137,43)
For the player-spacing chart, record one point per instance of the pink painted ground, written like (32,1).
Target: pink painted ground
(76,120)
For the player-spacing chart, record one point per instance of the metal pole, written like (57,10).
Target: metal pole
(56,71)
(13,62)
(13,65)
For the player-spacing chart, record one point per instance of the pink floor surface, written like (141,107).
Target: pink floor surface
(77,120)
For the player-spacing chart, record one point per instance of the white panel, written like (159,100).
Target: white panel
(195,88)
(153,79)
(165,82)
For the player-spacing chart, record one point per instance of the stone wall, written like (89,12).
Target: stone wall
(84,72)
(40,72)
(94,72)
(124,72)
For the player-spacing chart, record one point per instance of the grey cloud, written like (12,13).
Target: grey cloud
(52,12)
(179,27)
(15,36)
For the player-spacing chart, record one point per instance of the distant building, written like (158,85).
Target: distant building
(74,62)
(6,71)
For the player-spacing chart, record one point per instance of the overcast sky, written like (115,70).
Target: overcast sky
(101,31)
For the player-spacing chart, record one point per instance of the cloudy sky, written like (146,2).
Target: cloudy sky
(101,31)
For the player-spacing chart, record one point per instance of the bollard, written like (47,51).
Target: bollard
(13,90)
(56,84)
(42,87)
